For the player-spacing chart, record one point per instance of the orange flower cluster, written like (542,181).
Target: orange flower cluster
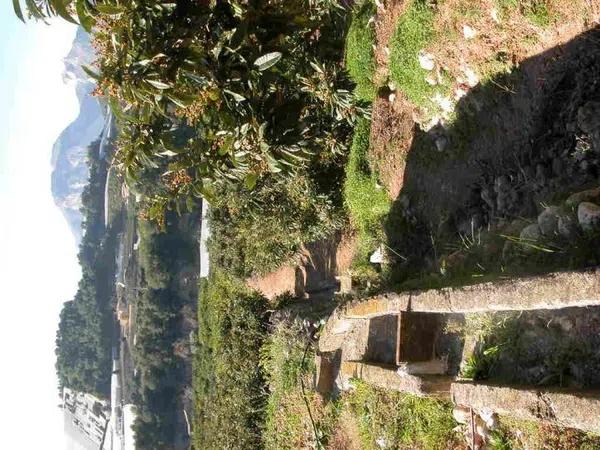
(193,112)
(175,180)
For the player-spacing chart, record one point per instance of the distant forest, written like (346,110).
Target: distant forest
(161,371)
(83,341)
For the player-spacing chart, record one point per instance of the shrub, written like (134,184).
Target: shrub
(228,382)
(255,231)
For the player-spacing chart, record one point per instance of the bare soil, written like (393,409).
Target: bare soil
(313,270)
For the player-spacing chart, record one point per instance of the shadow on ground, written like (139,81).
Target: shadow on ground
(515,144)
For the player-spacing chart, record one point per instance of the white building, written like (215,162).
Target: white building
(85,417)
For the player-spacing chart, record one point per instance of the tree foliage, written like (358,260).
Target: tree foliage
(83,346)
(224,91)
(161,375)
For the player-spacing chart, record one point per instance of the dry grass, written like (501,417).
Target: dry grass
(347,433)
(391,139)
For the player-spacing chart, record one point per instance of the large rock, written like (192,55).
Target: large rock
(531,233)
(567,227)
(588,215)
(548,220)
(588,117)
(590,195)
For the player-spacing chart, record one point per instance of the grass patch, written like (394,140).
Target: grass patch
(287,423)
(360,60)
(229,386)
(413,34)
(536,11)
(401,420)
(367,201)
(514,434)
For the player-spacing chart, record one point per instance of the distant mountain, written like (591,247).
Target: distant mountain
(69,168)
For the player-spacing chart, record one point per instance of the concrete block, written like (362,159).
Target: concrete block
(388,377)
(567,408)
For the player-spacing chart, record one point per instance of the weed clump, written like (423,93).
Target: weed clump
(401,420)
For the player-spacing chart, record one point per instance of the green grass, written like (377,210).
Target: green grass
(287,424)
(360,60)
(367,201)
(402,420)
(229,387)
(536,11)
(413,33)
(516,434)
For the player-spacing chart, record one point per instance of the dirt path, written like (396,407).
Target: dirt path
(318,265)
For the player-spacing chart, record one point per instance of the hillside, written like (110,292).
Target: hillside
(69,169)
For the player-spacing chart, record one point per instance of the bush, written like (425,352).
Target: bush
(360,60)
(229,386)
(256,231)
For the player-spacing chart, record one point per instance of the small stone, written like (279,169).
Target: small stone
(392,97)
(459,93)
(531,233)
(471,77)
(441,143)
(426,60)
(565,323)
(461,414)
(494,15)
(588,215)
(444,102)
(468,32)
(378,256)
(590,195)
(588,117)
(489,418)
(431,80)
(548,221)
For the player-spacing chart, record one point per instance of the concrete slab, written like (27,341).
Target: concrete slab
(388,377)
(549,291)
(567,408)
(328,365)
(381,342)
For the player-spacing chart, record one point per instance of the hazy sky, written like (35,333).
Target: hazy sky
(38,265)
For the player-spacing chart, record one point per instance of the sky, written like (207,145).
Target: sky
(38,262)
